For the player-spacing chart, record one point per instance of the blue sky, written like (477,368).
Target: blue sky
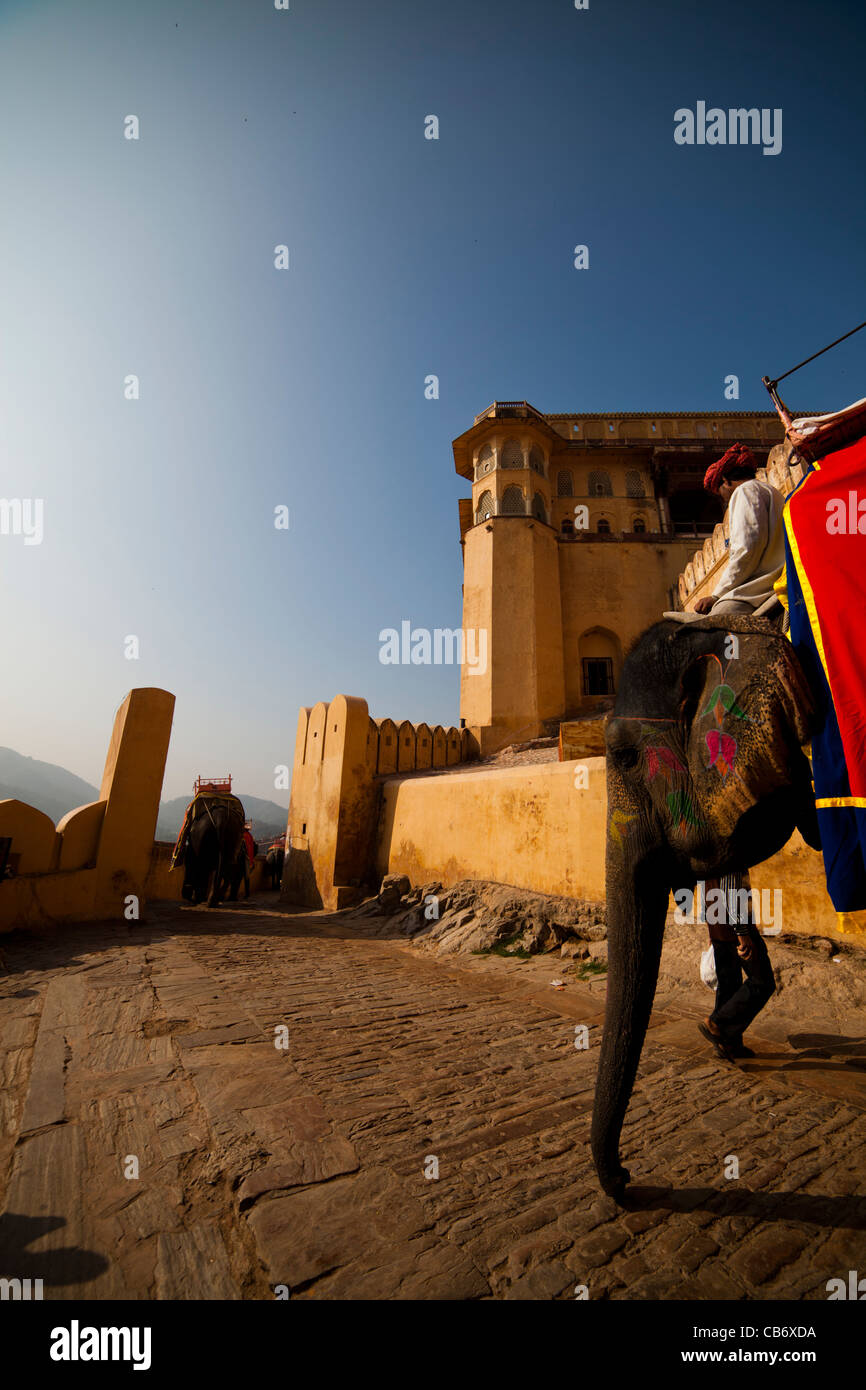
(305,387)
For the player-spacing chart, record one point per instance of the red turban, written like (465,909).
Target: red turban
(737,457)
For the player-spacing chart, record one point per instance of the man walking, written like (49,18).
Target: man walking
(744,975)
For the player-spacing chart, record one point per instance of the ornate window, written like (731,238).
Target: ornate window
(536,460)
(634,484)
(638,525)
(513,502)
(567,526)
(564,483)
(485,462)
(484,508)
(599,484)
(603,526)
(512,454)
(539,511)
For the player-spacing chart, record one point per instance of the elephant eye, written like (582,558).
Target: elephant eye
(626,757)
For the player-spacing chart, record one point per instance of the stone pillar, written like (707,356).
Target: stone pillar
(332,812)
(131,788)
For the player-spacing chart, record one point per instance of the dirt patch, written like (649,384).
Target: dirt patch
(478,916)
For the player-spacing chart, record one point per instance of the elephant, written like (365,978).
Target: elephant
(214,838)
(706,776)
(275,860)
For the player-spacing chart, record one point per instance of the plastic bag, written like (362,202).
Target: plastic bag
(708,968)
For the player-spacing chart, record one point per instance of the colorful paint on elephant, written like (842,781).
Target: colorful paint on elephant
(619,825)
(683,812)
(722,702)
(661,760)
(722,749)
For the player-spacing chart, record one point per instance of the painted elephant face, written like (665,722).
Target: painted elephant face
(705,734)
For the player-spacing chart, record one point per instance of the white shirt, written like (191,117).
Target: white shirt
(756,554)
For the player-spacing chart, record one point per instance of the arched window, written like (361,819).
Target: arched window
(634,484)
(567,526)
(536,460)
(539,511)
(512,454)
(513,503)
(564,483)
(484,508)
(638,525)
(600,659)
(485,462)
(603,526)
(599,484)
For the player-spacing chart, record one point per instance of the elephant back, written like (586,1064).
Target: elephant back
(205,803)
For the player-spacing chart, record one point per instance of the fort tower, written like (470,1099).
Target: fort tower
(574,536)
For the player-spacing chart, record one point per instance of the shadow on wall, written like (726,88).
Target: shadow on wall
(94,863)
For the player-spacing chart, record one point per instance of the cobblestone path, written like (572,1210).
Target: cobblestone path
(151,1049)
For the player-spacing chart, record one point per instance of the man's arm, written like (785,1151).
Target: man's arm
(749,533)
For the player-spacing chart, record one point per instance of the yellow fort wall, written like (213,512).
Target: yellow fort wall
(527,826)
(533,828)
(99,855)
(341,758)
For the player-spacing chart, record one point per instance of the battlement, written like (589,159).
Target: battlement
(342,756)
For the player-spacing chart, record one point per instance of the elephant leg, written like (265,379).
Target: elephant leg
(637,900)
(214,896)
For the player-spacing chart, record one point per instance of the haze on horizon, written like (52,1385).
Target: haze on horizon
(305,387)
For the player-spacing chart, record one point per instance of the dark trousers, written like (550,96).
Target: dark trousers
(744,986)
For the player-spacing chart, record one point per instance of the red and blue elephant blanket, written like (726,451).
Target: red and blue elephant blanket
(825,551)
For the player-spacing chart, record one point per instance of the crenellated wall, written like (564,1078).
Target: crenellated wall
(341,757)
(98,856)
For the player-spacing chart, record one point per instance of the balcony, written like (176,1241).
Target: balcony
(520,410)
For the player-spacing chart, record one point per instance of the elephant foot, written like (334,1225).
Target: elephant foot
(614,1184)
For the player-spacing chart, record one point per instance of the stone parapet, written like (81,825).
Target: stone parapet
(95,863)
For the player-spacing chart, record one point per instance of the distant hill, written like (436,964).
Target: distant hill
(44,785)
(55,791)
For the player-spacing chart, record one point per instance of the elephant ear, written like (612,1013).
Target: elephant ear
(745,716)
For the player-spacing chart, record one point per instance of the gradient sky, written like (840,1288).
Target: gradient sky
(408,257)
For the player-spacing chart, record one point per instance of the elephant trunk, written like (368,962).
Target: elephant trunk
(637,897)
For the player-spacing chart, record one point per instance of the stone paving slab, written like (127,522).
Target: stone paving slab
(425,1134)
